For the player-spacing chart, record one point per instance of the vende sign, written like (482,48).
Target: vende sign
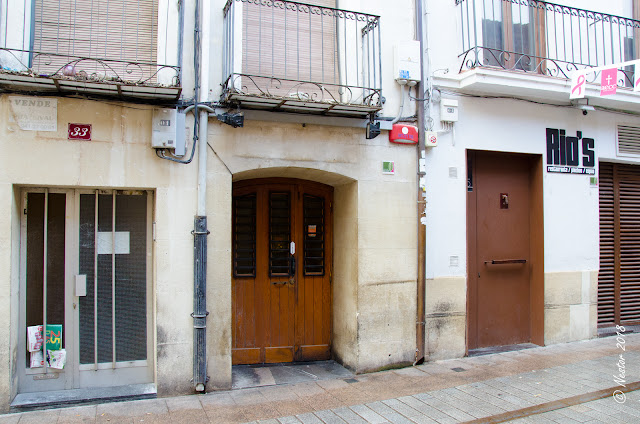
(608,79)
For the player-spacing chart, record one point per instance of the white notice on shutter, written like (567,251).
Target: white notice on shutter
(105,245)
(34,113)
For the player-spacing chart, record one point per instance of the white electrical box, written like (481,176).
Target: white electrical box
(168,130)
(407,61)
(449,110)
(430,139)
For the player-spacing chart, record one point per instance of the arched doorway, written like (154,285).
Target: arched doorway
(281,270)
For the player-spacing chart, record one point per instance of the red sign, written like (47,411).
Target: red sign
(403,134)
(79,132)
(609,81)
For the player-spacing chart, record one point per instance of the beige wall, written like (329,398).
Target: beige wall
(446,318)
(118,156)
(570,306)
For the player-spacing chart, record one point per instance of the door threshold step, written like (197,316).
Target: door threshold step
(55,398)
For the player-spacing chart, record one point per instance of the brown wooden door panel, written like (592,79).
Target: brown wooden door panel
(283,316)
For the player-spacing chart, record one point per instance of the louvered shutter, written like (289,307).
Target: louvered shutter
(628,140)
(606,275)
(109,30)
(286,41)
(629,192)
(619,277)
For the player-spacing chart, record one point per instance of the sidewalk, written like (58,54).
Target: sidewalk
(564,383)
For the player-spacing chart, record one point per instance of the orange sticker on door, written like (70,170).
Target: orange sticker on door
(311,230)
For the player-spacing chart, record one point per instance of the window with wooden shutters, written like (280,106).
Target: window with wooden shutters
(305,57)
(120,36)
(290,42)
(619,276)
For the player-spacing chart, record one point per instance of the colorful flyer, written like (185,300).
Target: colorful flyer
(54,336)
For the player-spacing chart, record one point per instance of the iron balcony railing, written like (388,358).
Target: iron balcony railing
(113,42)
(546,38)
(301,57)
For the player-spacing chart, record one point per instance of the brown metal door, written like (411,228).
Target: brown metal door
(281,271)
(501,291)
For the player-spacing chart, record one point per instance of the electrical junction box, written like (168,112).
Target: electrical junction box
(168,130)
(449,110)
(407,61)
(403,134)
(430,139)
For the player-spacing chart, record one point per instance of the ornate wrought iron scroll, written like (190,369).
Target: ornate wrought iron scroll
(88,69)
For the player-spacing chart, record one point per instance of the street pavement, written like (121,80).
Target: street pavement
(593,381)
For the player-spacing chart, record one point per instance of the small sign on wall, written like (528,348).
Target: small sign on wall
(388,167)
(79,132)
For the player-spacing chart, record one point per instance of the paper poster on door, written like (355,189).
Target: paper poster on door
(105,243)
(311,230)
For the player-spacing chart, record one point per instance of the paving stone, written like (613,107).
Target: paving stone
(349,416)
(329,417)
(368,414)
(427,410)
(388,413)
(449,409)
(289,420)
(309,418)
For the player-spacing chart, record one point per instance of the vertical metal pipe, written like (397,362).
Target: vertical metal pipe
(44,277)
(200,302)
(95,283)
(588,44)
(613,59)
(379,57)
(475,32)
(200,222)
(421,277)
(113,280)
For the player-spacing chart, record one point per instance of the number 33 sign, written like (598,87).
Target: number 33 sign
(79,132)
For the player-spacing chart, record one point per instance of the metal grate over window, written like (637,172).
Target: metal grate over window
(313,235)
(113,251)
(279,233)
(628,140)
(244,236)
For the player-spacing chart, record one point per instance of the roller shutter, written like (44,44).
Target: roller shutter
(109,30)
(619,276)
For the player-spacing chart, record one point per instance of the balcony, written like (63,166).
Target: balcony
(301,58)
(78,48)
(534,38)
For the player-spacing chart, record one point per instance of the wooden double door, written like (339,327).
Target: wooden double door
(282,260)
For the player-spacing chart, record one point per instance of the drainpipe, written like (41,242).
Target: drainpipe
(421,287)
(200,230)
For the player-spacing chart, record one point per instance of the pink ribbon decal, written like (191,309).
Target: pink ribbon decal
(579,83)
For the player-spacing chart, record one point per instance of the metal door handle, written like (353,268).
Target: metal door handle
(506,261)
